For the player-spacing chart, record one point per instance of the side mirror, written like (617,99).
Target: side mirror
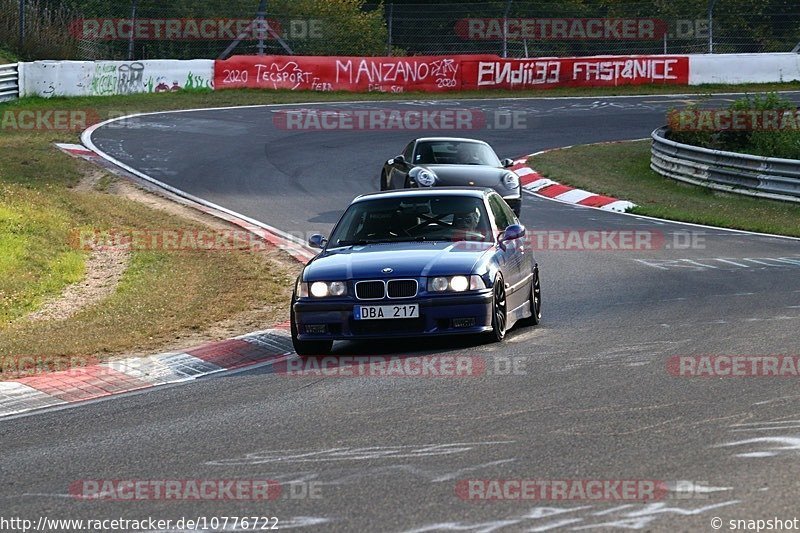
(507,163)
(317,241)
(400,159)
(513,232)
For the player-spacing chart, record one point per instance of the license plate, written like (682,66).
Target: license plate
(378,312)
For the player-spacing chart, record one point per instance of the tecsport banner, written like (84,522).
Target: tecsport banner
(359,74)
(546,73)
(445,73)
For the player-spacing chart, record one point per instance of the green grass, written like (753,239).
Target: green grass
(163,296)
(623,170)
(233,97)
(6,57)
(36,260)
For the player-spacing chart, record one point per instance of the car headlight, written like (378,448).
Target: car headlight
(511,180)
(322,289)
(426,178)
(319,289)
(456,283)
(459,283)
(337,288)
(439,284)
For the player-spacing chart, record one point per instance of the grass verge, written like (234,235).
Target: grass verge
(189,99)
(623,170)
(164,299)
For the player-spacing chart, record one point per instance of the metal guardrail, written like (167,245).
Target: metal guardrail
(765,177)
(9,82)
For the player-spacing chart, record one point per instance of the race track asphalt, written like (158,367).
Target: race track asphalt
(591,398)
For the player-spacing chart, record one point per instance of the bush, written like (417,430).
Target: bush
(783,142)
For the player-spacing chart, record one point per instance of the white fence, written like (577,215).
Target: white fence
(9,82)
(104,78)
(743,68)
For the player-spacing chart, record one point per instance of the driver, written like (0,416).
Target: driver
(468,154)
(467,221)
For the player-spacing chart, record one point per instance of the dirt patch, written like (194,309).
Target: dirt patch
(104,269)
(106,266)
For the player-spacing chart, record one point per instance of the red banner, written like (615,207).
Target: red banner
(359,74)
(444,73)
(547,73)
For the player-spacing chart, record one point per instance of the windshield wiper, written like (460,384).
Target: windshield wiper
(418,238)
(357,242)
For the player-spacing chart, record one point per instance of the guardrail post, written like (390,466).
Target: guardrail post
(389,21)
(505,28)
(133,26)
(21,24)
(711,26)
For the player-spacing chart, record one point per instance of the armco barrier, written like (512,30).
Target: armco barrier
(9,82)
(103,78)
(766,177)
(445,73)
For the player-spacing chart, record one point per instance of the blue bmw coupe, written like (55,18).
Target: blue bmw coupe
(417,262)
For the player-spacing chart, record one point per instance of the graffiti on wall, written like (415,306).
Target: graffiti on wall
(138,77)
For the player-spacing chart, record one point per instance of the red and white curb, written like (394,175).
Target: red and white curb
(91,382)
(535,183)
(80,384)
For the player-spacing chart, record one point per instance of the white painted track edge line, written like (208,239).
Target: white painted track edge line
(86,138)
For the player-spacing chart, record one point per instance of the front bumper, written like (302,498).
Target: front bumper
(436,317)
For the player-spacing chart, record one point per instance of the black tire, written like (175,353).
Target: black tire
(499,309)
(307,348)
(535,299)
(384,185)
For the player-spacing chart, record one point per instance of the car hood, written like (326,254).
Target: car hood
(462,174)
(407,260)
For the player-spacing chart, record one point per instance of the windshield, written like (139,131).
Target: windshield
(421,218)
(455,153)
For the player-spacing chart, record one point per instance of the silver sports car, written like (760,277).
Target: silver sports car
(449,161)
